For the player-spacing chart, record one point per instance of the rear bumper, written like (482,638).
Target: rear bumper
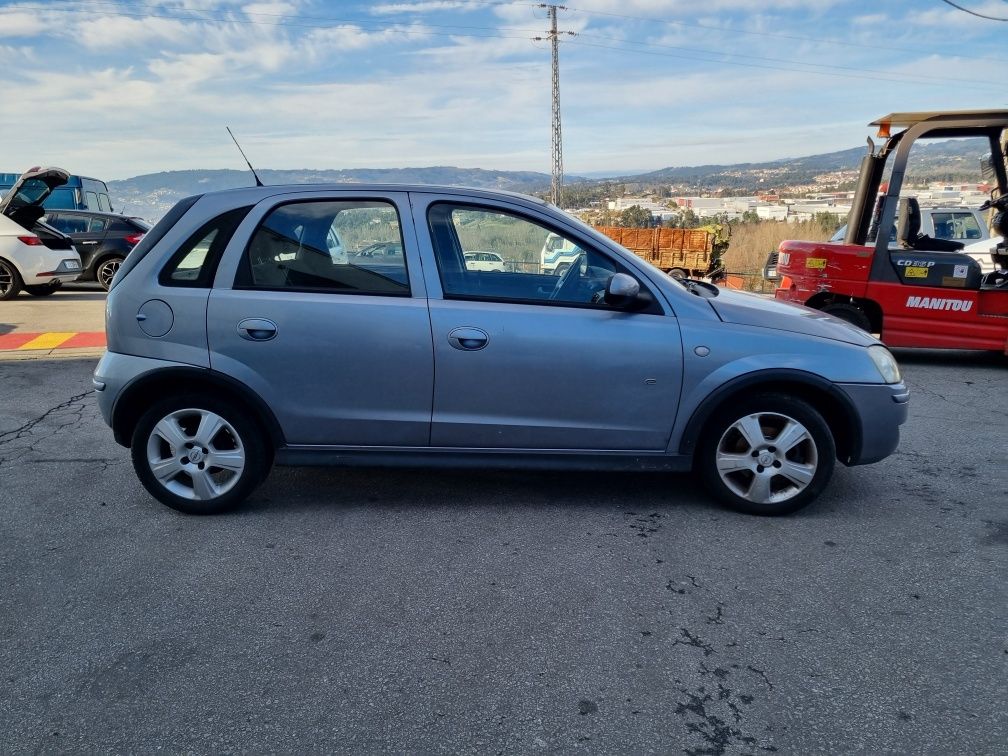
(881,410)
(59,266)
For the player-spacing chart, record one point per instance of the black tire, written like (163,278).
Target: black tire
(815,450)
(10,281)
(105,271)
(850,313)
(240,435)
(678,273)
(561,269)
(41,291)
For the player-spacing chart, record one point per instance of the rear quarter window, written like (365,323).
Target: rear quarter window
(194,263)
(155,235)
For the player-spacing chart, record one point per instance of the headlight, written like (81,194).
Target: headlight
(885,363)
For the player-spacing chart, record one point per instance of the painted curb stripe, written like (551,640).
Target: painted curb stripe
(19,341)
(47,340)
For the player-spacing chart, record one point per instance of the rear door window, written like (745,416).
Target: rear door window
(336,246)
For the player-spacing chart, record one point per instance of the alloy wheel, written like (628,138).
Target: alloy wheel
(766,458)
(6,278)
(195,454)
(106,272)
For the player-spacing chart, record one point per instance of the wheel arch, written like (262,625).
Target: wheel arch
(831,402)
(140,393)
(871,308)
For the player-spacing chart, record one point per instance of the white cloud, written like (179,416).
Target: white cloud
(18,23)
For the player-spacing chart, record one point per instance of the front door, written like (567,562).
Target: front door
(338,344)
(529,360)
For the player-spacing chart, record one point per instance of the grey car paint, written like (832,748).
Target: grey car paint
(569,380)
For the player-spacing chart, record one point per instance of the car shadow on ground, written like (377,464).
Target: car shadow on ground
(310,488)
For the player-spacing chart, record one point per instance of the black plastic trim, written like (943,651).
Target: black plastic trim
(480,459)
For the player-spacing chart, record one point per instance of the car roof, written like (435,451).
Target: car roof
(271,189)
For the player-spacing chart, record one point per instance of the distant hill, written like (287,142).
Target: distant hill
(939,160)
(151,195)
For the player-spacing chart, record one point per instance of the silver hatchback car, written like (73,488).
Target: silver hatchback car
(237,340)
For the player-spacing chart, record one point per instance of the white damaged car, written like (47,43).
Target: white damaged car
(33,256)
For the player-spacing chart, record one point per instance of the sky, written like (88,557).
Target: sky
(114,89)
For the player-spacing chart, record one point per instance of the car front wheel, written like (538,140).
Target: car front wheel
(769,454)
(199,455)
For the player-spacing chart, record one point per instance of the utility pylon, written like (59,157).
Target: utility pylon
(556,184)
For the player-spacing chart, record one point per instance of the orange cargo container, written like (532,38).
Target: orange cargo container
(686,252)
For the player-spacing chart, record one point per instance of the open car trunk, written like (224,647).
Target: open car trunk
(23,204)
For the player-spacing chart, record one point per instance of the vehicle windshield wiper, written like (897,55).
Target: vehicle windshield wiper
(700,288)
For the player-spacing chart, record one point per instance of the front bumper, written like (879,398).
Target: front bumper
(881,409)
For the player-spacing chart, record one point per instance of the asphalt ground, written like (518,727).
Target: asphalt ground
(410,611)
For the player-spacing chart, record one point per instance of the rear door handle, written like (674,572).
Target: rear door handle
(468,339)
(257,329)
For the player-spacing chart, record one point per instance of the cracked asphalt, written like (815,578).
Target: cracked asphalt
(411,612)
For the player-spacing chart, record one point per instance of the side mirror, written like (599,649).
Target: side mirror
(621,290)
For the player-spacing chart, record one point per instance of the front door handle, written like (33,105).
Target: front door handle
(257,329)
(468,339)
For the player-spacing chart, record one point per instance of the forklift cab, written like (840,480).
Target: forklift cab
(919,260)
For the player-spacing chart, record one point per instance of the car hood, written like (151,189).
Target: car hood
(32,188)
(753,310)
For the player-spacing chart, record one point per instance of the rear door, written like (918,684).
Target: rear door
(337,344)
(89,239)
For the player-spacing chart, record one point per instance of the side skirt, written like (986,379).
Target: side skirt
(501,459)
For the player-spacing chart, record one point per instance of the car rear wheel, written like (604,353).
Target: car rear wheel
(849,312)
(106,271)
(41,291)
(10,281)
(199,455)
(678,273)
(769,454)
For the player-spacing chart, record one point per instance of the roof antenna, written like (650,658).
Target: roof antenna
(258,182)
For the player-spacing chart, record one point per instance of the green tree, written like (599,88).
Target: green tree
(750,216)
(827,221)
(637,217)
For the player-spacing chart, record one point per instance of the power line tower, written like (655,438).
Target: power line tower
(556,184)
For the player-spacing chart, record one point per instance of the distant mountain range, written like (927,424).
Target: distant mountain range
(151,195)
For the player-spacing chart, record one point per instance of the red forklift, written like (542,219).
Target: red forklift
(922,292)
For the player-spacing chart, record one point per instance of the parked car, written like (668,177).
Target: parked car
(33,256)
(227,353)
(381,249)
(102,239)
(78,193)
(486,261)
